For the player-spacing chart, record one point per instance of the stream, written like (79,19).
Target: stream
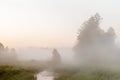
(45,75)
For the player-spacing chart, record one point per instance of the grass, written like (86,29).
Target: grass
(14,73)
(91,75)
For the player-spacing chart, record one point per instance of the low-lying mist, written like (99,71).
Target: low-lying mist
(36,53)
(94,48)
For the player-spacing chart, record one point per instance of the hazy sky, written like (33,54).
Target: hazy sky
(52,23)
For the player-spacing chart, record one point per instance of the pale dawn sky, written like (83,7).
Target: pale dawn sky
(52,23)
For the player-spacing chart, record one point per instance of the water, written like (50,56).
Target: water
(45,75)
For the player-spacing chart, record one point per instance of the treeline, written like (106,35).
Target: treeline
(7,56)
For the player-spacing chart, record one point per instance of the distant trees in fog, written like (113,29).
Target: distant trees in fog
(7,56)
(94,45)
(56,58)
(1,48)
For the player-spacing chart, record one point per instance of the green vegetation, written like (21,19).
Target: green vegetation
(13,73)
(91,75)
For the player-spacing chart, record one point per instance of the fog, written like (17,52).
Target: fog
(36,53)
(95,46)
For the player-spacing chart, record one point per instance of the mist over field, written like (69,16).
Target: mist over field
(36,53)
(95,56)
(59,40)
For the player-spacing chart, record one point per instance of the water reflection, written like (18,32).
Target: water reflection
(45,75)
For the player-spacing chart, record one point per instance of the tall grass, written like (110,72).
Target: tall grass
(14,73)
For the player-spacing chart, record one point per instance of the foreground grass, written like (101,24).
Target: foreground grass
(13,73)
(91,75)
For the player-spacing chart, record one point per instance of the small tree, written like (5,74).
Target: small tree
(1,47)
(56,58)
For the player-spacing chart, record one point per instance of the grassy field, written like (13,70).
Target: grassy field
(14,73)
(90,75)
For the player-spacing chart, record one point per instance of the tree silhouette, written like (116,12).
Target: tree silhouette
(1,47)
(92,41)
(7,56)
(56,58)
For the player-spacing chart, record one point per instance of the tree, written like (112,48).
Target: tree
(1,47)
(93,42)
(56,58)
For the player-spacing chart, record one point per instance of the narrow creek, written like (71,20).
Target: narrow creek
(45,75)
